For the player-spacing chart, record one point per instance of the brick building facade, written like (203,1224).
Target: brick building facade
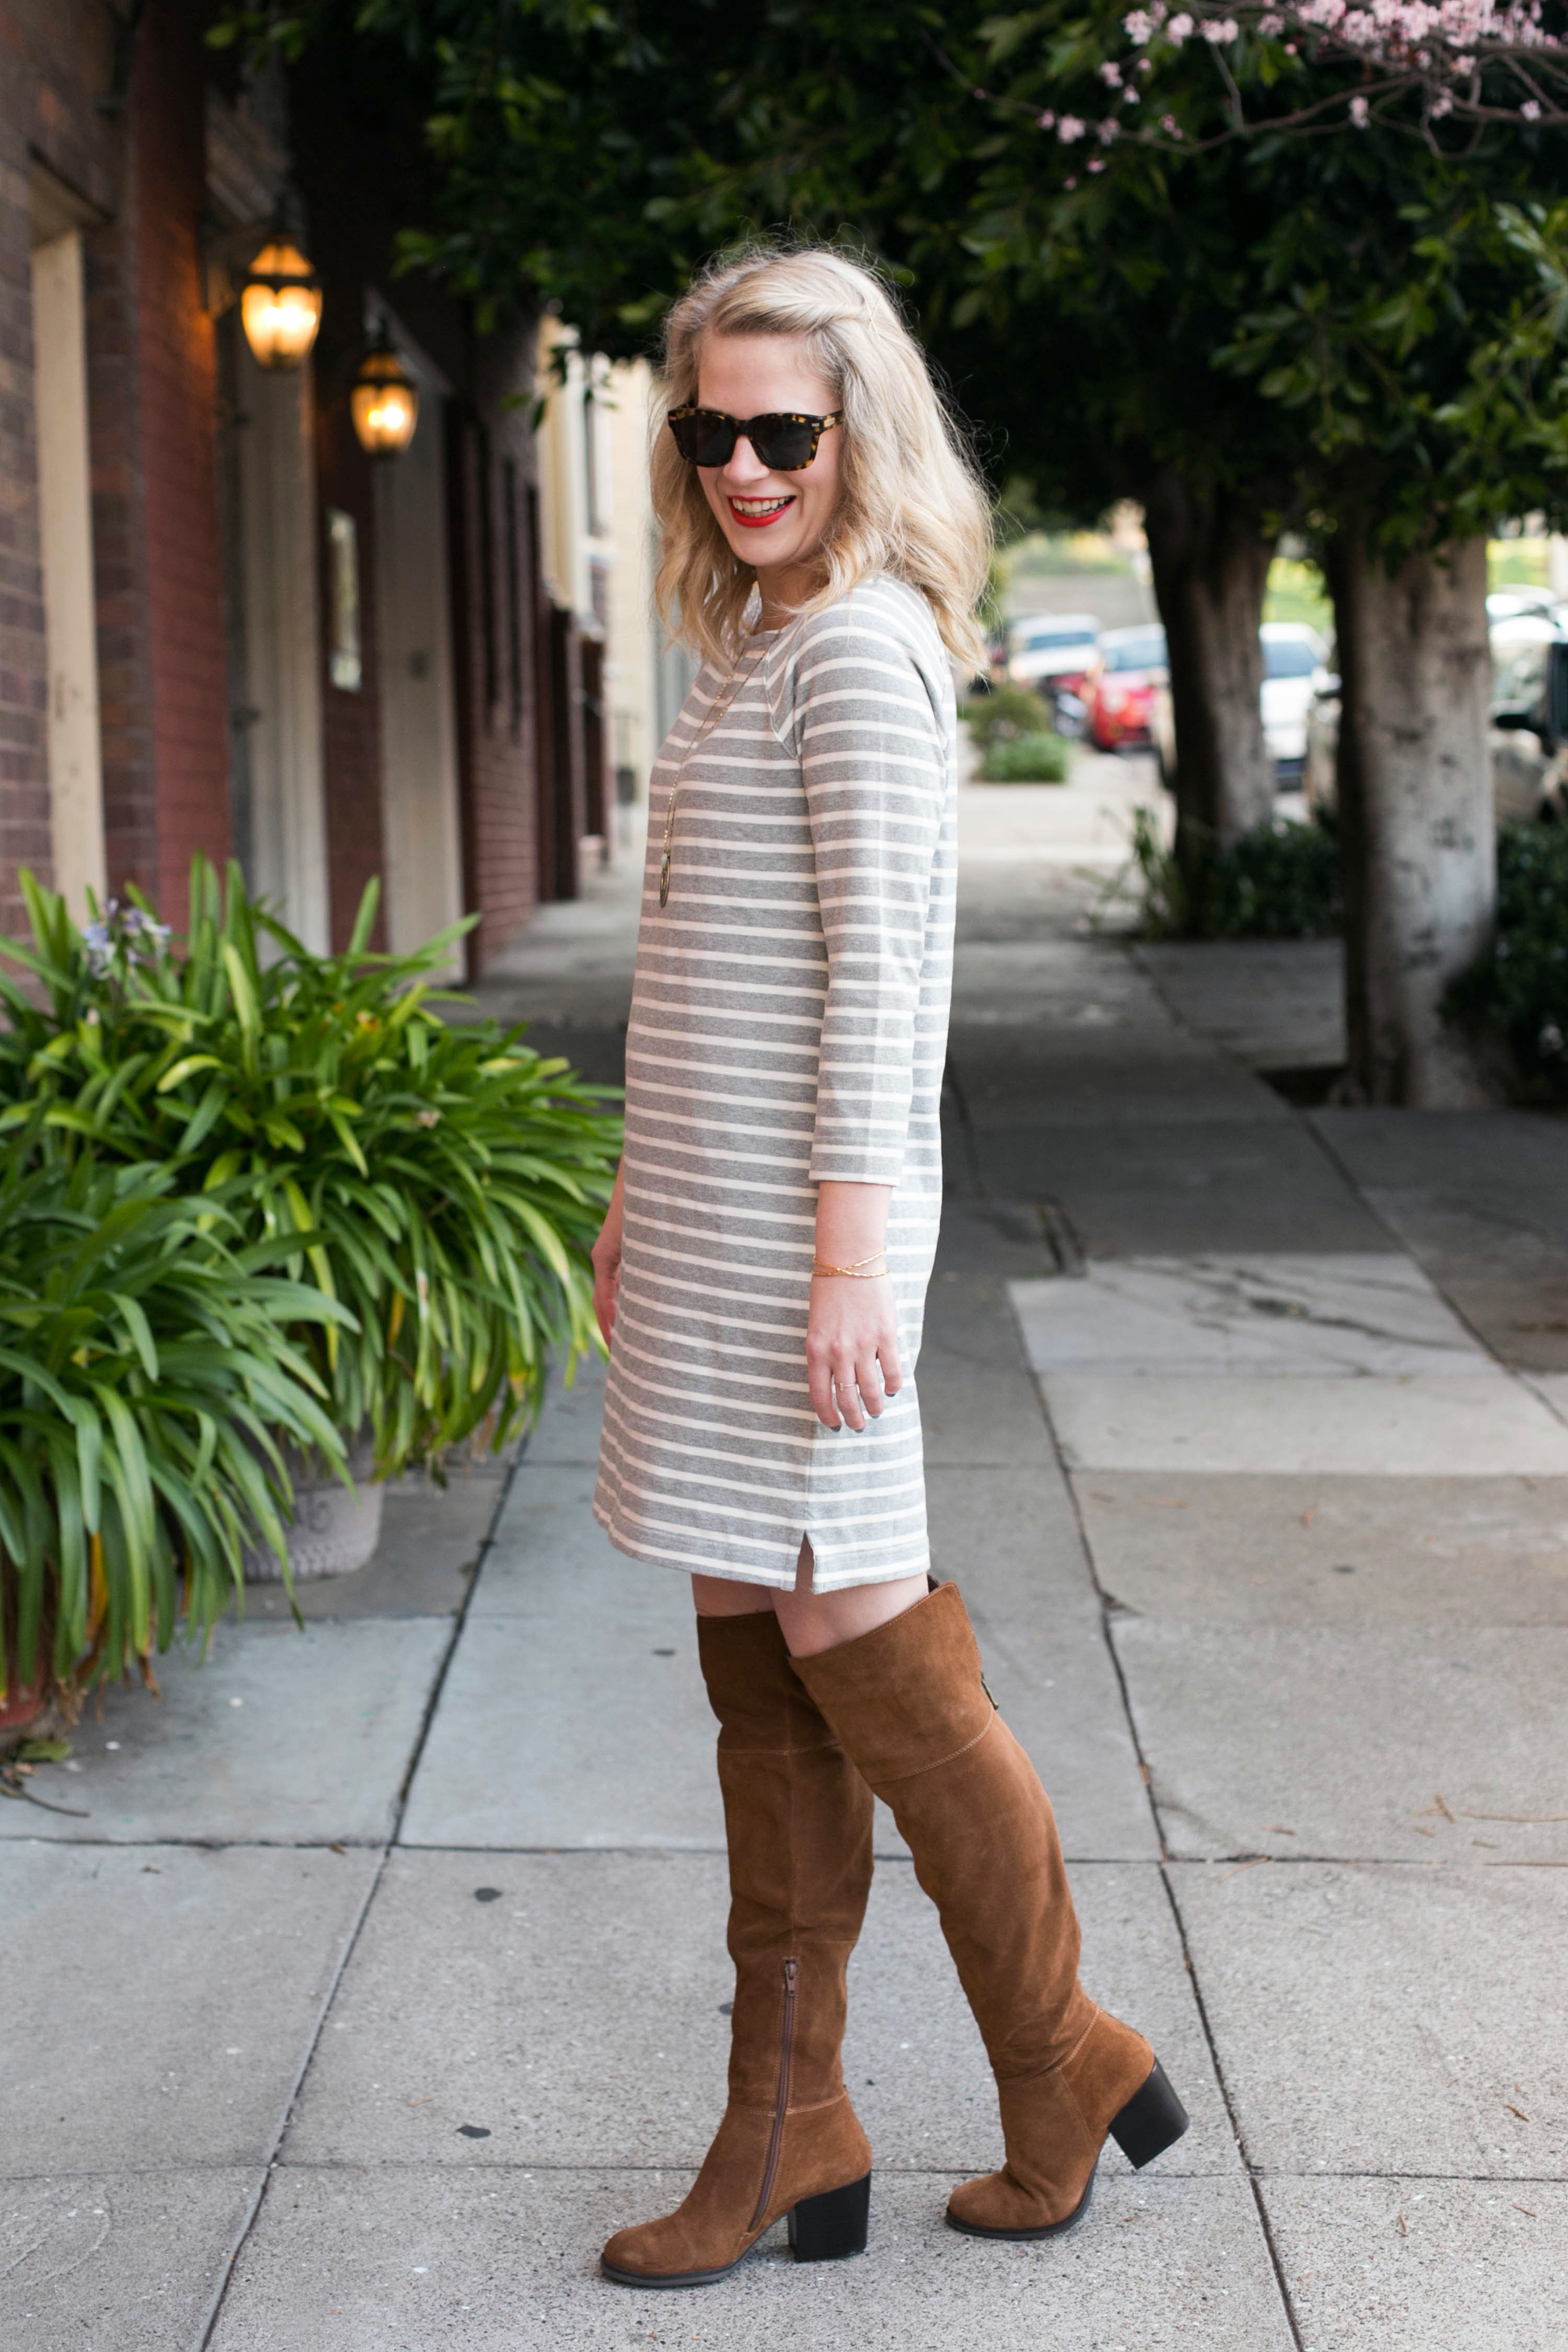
(222,625)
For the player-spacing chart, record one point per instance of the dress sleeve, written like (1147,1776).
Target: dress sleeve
(873,757)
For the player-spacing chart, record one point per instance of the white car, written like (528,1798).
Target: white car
(1529,752)
(1292,671)
(1052,651)
(1293,674)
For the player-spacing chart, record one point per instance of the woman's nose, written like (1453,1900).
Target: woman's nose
(744,464)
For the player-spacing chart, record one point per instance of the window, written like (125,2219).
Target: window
(345,667)
(1288,657)
(1050,640)
(591,486)
(514,593)
(1519,675)
(487,573)
(1145,651)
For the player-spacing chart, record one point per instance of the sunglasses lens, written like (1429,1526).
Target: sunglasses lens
(704,438)
(782,443)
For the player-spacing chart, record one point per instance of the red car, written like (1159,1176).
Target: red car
(1128,666)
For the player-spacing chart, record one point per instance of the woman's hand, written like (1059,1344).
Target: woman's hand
(852,1349)
(852,1329)
(606,1256)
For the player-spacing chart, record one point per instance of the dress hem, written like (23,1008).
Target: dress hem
(743,1575)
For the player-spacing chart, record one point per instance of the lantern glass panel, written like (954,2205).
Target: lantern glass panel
(281,307)
(385,405)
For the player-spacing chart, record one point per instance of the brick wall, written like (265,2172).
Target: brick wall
(176,366)
(24,671)
(120,562)
(489,468)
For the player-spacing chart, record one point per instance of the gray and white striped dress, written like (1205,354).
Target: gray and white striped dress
(788,1027)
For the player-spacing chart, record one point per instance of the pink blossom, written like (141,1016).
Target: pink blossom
(1170,126)
(1069,128)
(1097,164)
(1046,120)
(1360,110)
(1438,47)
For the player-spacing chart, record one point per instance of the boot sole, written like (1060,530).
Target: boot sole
(826,2229)
(1153,2120)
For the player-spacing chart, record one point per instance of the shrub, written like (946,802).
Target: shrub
(146,1372)
(1005,713)
(1277,881)
(445,1184)
(1041,759)
(1012,732)
(1519,989)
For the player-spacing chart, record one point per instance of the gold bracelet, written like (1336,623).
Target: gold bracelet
(852,1272)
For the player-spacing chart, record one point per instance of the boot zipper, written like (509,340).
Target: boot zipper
(775,2142)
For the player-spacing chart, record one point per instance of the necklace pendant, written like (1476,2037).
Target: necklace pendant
(664,879)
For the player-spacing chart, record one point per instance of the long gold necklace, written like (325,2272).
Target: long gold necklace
(735,681)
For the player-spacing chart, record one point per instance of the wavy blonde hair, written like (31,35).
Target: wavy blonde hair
(910,501)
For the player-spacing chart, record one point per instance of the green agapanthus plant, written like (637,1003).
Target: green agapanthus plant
(148,1374)
(443,1183)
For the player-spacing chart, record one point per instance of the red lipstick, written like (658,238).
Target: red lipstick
(759,522)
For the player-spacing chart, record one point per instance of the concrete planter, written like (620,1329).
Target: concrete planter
(333,1532)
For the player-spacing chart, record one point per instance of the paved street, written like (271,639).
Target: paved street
(378,1972)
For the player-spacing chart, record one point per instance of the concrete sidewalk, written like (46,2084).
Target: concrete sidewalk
(385,1974)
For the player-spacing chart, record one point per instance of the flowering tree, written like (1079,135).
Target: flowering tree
(1296,263)
(1315,67)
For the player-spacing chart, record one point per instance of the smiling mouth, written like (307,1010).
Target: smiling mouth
(754,513)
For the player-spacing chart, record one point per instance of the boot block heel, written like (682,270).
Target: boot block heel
(828,2227)
(1153,2120)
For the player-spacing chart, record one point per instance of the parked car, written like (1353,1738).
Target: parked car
(1293,676)
(1120,689)
(1509,604)
(1529,731)
(1293,664)
(1052,651)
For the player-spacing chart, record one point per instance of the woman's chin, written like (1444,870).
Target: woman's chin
(763,550)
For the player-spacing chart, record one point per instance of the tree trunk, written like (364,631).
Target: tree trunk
(1418,835)
(1210,562)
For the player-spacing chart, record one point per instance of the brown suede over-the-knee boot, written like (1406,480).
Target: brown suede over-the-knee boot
(910,1706)
(798,1819)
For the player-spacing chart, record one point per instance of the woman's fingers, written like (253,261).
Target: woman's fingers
(606,1293)
(847,1389)
(851,1353)
(873,1388)
(819,1387)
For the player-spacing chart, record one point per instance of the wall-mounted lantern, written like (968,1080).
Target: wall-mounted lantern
(280,305)
(384,401)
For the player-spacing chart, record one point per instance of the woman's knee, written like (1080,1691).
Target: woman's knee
(813,1621)
(725,1596)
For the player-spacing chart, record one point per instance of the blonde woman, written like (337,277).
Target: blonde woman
(761,1272)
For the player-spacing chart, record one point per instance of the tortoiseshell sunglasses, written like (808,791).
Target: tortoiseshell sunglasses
(785,445)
